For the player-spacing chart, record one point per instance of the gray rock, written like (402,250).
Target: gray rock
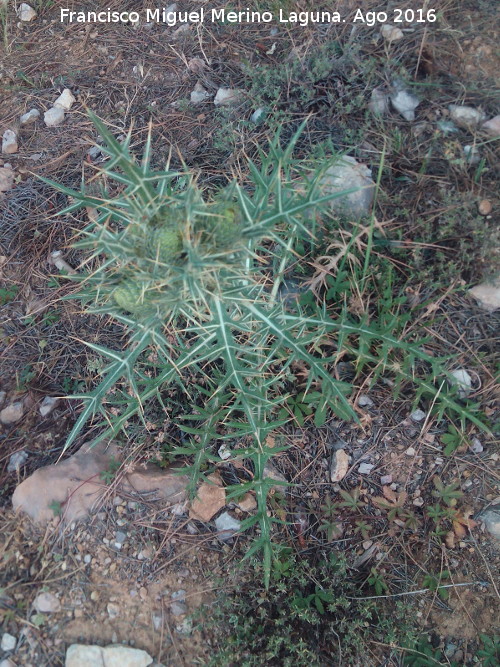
(17,460)
(8,663)
(466,117)
(12,413)
(6,179)
(9,142)
(178,608)
(199,94)
(179,595)
(79,655)
(491,519)
(227,526)
(46,603)
(47,405)
(487,294)
(476,447)
(364,401)
(471,154)
(492,126)
(227,97)
(54,117)
(386,479)
(8,642)
(365,468)
(418,415)
(120,538)
(405,103)
(347,174)
(65,100)
(463,380)
(29,117)
(379,102)
(113,610)
(26,13)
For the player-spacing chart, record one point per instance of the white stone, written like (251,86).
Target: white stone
(463,380)
(391,33)
(491,519)
(6,179)
(227,526)
(339,465)
(17,460)
(47,405)
(365,468)
(224,452)
(379,102)
(418,415)
(472,154)
(405,104)
(257,114)
(476,447)
(466,117)
(29,117)
(65,100)
(53,117)
(26,13)
(46,603)
(9,142)
(78,655)
(347,174)
(492,126)
(199,94)
(410,451)
(7,663)
(12,413)
(364,401)
(386,479)
(487,294)
(8,642)
(227,97)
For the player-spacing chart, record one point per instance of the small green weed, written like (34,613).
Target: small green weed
(312,614)
(8,294)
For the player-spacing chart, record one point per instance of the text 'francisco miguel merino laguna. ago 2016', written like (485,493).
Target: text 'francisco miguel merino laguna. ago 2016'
(172,18)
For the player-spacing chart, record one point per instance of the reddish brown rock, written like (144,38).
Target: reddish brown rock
(70,488)
(211,498)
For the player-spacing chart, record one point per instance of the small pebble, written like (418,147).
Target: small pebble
(365,468)
(26,13)
(53,117)
(364,401)
(484,207)
(386,479)
(9,142)
(391,33)
(29,117)
(418,502)
(8,642)
(410,451)
(476,447)
(65,100)
(418,415)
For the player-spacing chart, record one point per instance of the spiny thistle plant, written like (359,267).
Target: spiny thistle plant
(196,281)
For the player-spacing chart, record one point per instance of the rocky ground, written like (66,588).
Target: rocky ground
(117,555)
